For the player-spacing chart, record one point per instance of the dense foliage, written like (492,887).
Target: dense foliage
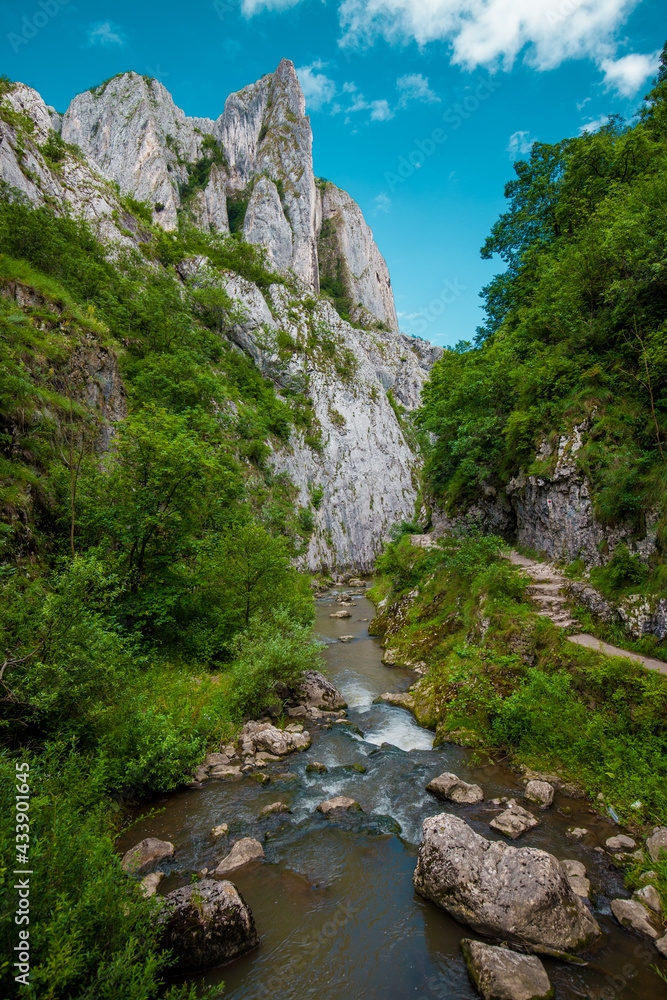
(148,595)
(576,327)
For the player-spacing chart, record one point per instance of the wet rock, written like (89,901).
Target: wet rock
(339,804)
(451,788)
(314,690)
(620,843)
(576,874)
(220,831)
(539,792)
(150,883)
(207,924)
(225,772)
(356,582)
(515,821)
(633,915)
(242,853)
(345,638)
(501,974)
(657,843)
(576,833)
(263,736)
(145,853)
(340,614)
(316,768)
(648,896)
(520,895)
(274,807)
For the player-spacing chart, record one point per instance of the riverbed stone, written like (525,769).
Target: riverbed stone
(215,759)
(657,843)
(519,895)
(145,853)
(576,832)
(150,883)
(316,768)
(274,807)
(539,792)
(345,638)
(514,821)
(242,853)
(620,843)
(220,831)
(356,582)
(501,974)
(451,788)
(207,924)
(576,874)
(341,803)
(636,917)
(648,896)
(314,690)
(661,945)
(226,772)
(340,614)
(267,738)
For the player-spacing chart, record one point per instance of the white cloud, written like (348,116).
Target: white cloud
(380,111)
(382,203)
(317,88)
(626,75)
(414,87)
(250,7)
(349,87)
(519,144)
(105,34)
(488,32)
(594,124)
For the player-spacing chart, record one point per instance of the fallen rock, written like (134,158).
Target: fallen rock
(576,833)
(314,690)
(275,807)
(316,768)
(220,831)
(539,792)
(207,924)
(520,895)
(648,896)
(451,788)
(620,843)
(632,914)
(501,974)
(242,853)
(145,853)
(150,883)
(340,614)
(339,804)
(514,821)
(657,843)
(225,772)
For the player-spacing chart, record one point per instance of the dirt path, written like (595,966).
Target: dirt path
(545,590)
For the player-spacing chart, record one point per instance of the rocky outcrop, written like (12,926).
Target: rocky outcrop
(145,853)
(262,736)
(520,895)
(501,974)
(207,924)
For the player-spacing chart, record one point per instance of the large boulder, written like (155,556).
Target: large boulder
(242,853)
(539,792)
(520,895)
(657,843)
(451,788)
(316,691)
(501,974)
(145,853)
(207,924)
(262,736)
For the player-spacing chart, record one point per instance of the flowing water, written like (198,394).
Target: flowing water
(333,902)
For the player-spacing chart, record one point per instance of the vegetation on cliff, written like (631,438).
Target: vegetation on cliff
(575,330)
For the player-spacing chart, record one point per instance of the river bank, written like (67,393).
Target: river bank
(333,900)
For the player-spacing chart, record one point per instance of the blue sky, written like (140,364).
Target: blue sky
(418,107)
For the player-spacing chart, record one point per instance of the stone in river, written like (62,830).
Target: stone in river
(620,843)
(316,768)
(145,853)
(576,832)
(340,614)
(636,917)
(648,896)
(501,974)
(220,831)
(339,804)
(207,924)
(539,792)
(514,821)
(242,853)
(149,883)
(274,807)
(451,788)
(519,895)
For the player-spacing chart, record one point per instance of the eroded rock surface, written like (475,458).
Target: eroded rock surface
(514,821)
(145,853)
(451,788)
(242,853)
(316,691)
(519,895)
(501,974)
(207,924)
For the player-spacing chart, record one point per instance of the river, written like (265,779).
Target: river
(333,902)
